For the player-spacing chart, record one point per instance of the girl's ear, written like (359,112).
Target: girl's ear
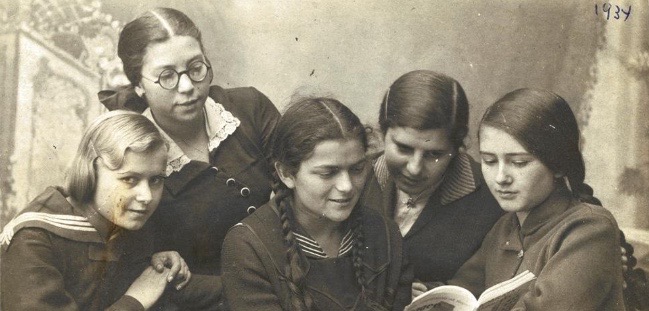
(285,175)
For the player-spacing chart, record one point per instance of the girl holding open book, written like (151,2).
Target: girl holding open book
(554,227)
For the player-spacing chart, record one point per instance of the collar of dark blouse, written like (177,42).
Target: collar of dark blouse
(312,249)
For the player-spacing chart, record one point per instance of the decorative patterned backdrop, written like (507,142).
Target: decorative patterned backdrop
(56,56)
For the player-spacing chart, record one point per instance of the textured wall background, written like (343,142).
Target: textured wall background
(353,50)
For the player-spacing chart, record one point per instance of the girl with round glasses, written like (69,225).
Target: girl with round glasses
(217,170)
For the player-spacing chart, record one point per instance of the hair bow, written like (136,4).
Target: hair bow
(124,97)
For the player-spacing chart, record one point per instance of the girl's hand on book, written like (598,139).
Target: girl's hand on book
(418,288)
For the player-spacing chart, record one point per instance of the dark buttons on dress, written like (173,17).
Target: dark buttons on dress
(230,182)
(216,169)
(251,209)
(245,191)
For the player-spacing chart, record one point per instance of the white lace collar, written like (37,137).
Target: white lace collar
(219,124)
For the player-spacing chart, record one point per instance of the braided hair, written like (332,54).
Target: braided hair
(306,123)
(543,123)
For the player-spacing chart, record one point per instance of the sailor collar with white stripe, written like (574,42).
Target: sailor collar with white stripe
(219,124)
(312,249)
(52,212)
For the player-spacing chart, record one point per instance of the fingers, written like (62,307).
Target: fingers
(158,261)
(177,264)
(174,266)
(187,276)
(183,275)
(418,289)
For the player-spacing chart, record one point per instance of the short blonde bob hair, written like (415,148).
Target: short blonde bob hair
(109,137)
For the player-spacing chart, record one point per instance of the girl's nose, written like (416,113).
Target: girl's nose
(344,182)
(503,176)
(143,193)
(185,84)
(415,164)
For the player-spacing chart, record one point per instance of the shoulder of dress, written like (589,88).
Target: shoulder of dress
(72,227)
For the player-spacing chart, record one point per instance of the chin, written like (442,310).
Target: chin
(133,226)
(340,217)
(510,208)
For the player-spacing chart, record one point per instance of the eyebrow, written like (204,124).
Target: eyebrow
(402,144)
(170,66)
(513,154)
(326,166)
(127,173)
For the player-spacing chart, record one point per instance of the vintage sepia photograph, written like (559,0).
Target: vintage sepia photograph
(324,155)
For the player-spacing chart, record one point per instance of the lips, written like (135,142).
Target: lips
(188,103)
(139,212)
(342,201)
(410,180)
(506,194)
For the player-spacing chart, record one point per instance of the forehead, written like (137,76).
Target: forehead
(175,51)
(431,139)
(153,161)
(339,153)
(493,140)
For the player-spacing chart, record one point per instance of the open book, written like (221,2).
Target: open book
(499,297)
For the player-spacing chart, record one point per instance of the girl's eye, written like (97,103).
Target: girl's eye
(130,180)
(404,149)
(520,163)
(433,155)
(357,169)
(488,160)
(167,75)
(157,180)
(327,174)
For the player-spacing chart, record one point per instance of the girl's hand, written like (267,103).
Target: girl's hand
(418,289)
(148,287)
(178,270)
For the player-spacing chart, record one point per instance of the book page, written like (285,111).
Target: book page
(447,297)
(504,295)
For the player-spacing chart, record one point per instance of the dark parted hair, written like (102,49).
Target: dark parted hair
(306,123)
(156,25)
(543,123)
(424,100)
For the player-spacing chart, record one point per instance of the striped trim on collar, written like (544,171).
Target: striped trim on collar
(458,182)
(312,249)
(53,222)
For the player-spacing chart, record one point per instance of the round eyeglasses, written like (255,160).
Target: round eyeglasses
(168,78)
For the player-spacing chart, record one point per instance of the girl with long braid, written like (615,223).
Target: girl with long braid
(313,247)
(554,227)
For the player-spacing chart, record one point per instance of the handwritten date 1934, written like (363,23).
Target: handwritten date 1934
(612,11)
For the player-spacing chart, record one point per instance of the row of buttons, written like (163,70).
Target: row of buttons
(245,191)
